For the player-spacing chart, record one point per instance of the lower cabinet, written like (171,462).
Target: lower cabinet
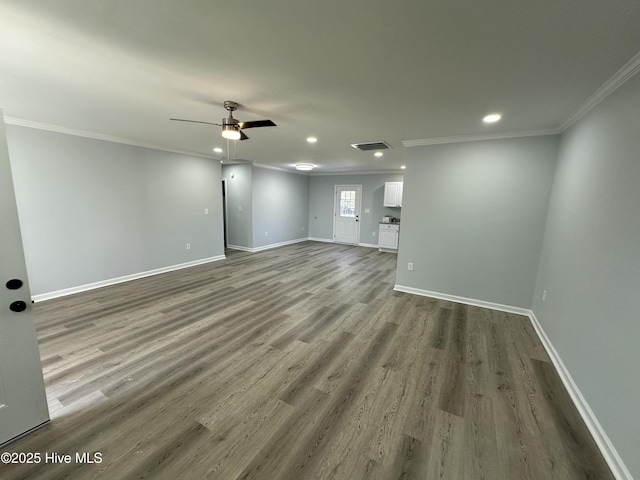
(388,236)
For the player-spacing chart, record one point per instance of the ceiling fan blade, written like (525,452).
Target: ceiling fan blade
(194,121)
(257,123)
(243,136)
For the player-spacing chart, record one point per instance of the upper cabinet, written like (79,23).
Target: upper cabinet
(393,194)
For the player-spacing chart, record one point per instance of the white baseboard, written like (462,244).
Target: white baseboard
(465,300)
(329,240)
(240,247)
(281,244)
(610,454)
(275,245)
(325,240)
(267,247)
(112,281)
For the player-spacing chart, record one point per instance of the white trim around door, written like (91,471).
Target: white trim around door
(347,200)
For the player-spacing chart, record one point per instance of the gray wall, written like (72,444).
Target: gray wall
(92,210)
(590,264)
(272,201)
(321,193)
(280,206)
(473,218)
(239,182)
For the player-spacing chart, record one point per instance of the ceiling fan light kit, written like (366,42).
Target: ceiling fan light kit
(230,132)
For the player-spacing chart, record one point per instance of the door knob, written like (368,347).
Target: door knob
(14,284)
(18,306)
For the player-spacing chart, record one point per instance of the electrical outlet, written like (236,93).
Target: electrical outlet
(206,211)
(266,234)
(188,246)
(544,295)
(240,209)
(410,266)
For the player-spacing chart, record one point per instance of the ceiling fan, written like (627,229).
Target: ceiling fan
(231,127)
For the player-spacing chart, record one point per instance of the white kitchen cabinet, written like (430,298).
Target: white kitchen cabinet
(388,236)
(393,194)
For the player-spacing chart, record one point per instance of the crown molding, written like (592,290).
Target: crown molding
(314,173)
(364,172)
(98,136)
(629,69)
(478,138)
(277,169)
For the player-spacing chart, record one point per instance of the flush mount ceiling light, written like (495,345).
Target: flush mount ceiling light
(492,118)
(312,139)
(304,167)
(217,150)
(403,167)
(378,154)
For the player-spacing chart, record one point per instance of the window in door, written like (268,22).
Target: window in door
(348,203)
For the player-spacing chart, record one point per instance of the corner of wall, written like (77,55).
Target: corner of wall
(598,433)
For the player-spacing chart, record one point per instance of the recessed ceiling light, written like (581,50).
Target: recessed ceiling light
(217,150)
(378,154)
(492,118)
(312,139)
(403,167)
(305,167)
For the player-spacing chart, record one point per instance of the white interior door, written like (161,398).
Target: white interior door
(23,402)
(346,215)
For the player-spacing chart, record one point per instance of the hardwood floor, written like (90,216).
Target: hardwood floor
(298,363)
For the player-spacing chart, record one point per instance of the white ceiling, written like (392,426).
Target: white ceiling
(345,71)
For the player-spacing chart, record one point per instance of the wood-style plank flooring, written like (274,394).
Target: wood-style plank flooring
(298,363)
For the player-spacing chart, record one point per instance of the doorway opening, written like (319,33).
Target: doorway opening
(224,212)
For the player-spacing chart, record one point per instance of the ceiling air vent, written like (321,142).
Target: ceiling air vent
(367,147)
